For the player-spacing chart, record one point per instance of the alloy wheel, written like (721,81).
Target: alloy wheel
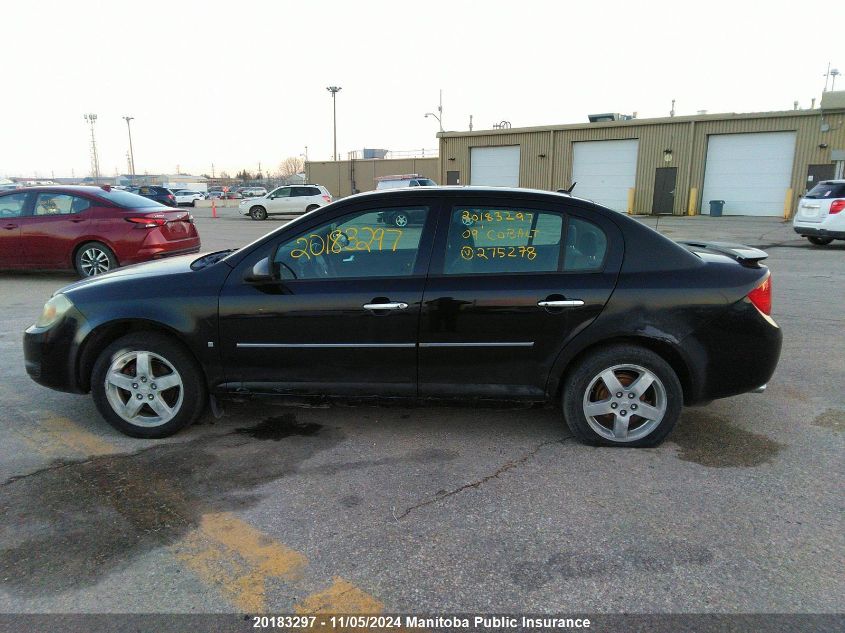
(625,403)
(94,261)
(144,388)
(401,220)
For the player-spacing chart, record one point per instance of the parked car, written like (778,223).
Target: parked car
(399,182)
(187,197)
(232,195)
(821,213)
(545,298)
(253,192)
(162,195)
(10,187)
(290,199)
(91,229)
(214,195)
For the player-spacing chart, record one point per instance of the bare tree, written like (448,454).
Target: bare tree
(291,166)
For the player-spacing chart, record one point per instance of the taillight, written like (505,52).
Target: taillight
(836,206)
(327,198)
(761,296)
(170,196)
(148,223)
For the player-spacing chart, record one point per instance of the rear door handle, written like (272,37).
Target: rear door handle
(396,305)
(10,226)
(563,303)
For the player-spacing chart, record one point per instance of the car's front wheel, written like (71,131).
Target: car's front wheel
(94,258)
(622,395)
(311,207)
(258,213)
(401,220)
(819,241)
(147,385)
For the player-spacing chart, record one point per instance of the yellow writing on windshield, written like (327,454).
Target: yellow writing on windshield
(352,239)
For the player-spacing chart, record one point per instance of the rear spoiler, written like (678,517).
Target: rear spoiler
(745,255)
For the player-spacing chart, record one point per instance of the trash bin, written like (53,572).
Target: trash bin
(716,207)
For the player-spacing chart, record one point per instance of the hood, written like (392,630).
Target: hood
(155,268)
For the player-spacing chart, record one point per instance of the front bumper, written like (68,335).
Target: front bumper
(50,354)
(815,231)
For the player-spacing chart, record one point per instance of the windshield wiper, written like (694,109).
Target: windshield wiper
(211,258)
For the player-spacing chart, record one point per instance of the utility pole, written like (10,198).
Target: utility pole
(131,151)
(826,77)
(334,90)
(470,123)
(91,119)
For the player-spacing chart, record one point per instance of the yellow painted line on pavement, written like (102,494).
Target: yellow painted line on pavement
(238,559)
(54,436)
(341,597)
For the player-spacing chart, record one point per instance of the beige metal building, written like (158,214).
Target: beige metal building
(758,163)
(345,177)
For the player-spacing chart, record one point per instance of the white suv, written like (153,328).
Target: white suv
(821,213)
(287,200)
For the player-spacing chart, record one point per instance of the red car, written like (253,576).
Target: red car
(91,229)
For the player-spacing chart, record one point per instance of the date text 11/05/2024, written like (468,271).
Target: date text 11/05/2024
(481,622)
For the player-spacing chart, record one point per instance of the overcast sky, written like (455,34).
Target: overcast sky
(238,83)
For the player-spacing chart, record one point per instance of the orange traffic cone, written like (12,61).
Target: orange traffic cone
(213,208)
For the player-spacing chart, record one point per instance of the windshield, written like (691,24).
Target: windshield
(128,200)
(827,190)
(426,182)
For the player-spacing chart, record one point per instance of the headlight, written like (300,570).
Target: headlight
(54,310)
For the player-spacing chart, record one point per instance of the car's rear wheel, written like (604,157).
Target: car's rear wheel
(401,220)
(258,213)
(147,385)
(311,207)
(194,202)
(94,258)
(622,395)
(819,241)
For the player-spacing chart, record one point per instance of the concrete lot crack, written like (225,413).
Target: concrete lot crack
(509,465)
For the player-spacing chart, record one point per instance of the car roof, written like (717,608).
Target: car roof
(89,189)
(493,191)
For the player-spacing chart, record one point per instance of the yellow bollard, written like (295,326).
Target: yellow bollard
(787,204)
(693,201)
(630,201)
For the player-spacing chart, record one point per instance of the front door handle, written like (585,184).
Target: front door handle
(395,305)
(563,303)
(9,227)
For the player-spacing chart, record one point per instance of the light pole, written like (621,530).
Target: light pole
(334,90)
(439,115)
(131,151)
(95,162)
(428,114)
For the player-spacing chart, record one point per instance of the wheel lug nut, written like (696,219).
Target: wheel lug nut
(618,394)
(613,405)
(150,396)
(633,407)
(623,412)
(153,385)
(630,395)
(140,397)
(134,385)
(143,379)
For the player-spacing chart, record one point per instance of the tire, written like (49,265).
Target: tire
(176,406)
(401,220)
(194,202)
(94,258)
(819,241)
(258,213)
(310,208)
(584,385)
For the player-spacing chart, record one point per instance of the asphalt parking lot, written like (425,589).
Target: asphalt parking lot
(371,509)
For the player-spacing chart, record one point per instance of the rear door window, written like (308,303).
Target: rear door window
(497,240)
(12,206)
(59,204)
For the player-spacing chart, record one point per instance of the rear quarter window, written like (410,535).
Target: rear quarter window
(586,246)
(826,190)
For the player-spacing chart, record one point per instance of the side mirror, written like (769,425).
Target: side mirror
(260,273)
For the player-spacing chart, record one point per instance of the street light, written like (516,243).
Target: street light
(131,152)
(428,114)
(334,90)
(439,115)
(91,119)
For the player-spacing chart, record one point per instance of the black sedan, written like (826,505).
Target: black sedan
(504,294)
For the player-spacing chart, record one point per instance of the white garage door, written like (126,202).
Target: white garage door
(750,172)
(494,166)
(604,171)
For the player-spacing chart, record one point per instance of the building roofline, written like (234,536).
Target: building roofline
(724,116)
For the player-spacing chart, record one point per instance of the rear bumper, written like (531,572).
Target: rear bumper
(736,353)
(816,231)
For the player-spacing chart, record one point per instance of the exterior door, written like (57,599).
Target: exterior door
(280,200)
(453,177)
(12,210)
(341,314)
(50,232)
(663,202)
(509,285)
(817,173)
